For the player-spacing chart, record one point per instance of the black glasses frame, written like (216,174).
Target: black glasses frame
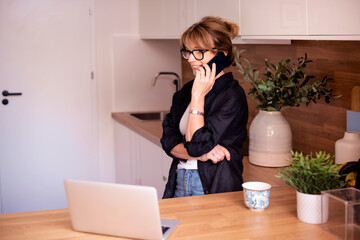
(183,51)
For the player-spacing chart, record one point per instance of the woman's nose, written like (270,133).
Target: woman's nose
(191,58)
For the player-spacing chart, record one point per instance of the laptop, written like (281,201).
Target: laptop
(116,209)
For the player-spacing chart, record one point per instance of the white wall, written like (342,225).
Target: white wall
(111,17)
(125,70)
(136,62)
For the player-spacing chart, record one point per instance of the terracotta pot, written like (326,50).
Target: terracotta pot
(270,140)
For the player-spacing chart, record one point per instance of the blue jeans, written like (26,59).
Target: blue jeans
(188,183)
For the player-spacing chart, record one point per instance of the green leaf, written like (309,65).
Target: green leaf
(312,173)
(290,84)
(256,75)
(283,84)
(262,87)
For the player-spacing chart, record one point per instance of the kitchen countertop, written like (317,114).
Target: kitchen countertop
(149,129)
(214,216)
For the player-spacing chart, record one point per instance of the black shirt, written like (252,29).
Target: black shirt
(225,118)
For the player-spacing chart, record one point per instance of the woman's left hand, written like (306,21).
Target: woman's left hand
(218,153)
(204,81)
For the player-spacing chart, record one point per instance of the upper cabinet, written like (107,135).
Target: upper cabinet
(168,19)
(227,9)
(334,17)
(160,18)
(300,19)
(276,17)
(258,19)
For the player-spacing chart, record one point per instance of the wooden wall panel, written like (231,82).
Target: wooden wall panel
(318,126)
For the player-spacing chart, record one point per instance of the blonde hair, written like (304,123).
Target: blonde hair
(212,32)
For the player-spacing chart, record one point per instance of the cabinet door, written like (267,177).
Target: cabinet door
(160,18)
(227,9)
(187,14)
(139,161)
(166,161)
(334,17)
(170,18)
(125,154)
(150,165)
(276,17)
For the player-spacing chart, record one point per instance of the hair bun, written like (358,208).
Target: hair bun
(233,29)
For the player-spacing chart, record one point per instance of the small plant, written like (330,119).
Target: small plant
(312,174)
(283,86)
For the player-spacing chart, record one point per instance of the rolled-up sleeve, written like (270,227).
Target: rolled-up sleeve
(171,133)
(170,137)
(217,126)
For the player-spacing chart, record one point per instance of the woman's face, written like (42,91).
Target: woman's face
(194,63)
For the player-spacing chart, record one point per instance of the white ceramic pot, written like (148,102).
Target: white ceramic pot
(347,149)
(309,208)
(270,140)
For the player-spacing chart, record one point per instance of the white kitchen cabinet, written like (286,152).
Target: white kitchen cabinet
(300,19)
(161,18)
(227,9)
(139,161)
(333,17)
(168,19)
(124,155)
(276,17)
(166,161)
(150,165)
(258,19)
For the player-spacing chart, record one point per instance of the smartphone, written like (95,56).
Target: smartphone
(221,62)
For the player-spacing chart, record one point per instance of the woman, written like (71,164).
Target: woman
(206,127)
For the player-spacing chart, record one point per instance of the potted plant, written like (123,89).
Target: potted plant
(283,85)
(309,175)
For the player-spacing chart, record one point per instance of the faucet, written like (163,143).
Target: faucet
(176,81)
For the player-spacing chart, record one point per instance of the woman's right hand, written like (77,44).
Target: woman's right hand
(204,81)
(217,154)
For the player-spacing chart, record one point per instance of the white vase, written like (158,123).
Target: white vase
(309,208)
(347,149)
(270,139)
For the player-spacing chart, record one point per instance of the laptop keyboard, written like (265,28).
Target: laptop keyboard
(164,229)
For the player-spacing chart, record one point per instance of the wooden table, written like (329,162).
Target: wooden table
(215,216)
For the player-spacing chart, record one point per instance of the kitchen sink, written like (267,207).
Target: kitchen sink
(146,116)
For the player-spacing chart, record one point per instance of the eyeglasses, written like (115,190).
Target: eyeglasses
(198,54)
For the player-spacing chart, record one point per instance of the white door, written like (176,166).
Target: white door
(49,133)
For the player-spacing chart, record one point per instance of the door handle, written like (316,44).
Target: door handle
(6,93)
